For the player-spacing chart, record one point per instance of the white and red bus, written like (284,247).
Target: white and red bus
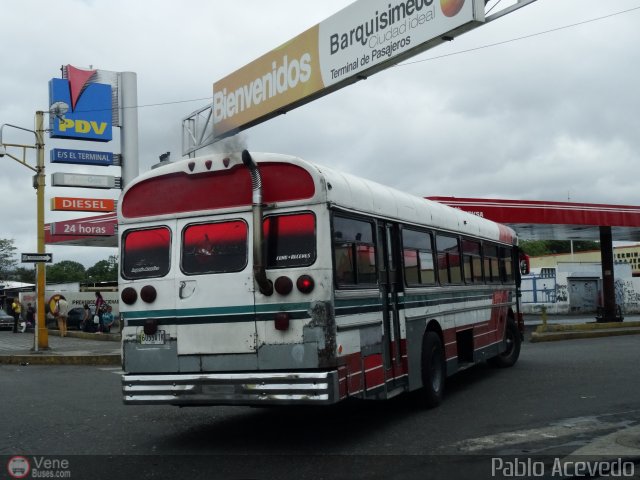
(267,279)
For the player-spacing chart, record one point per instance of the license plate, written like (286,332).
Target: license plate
(157,338)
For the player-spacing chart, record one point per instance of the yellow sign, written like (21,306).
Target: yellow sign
(364,38)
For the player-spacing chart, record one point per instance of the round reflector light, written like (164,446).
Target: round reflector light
(129,296)
(148,293)
(305,283)
(283,285)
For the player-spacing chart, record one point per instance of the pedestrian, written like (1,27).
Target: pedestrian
(62,313)
(87,318)
(107,320)
(31,316)
(16,308)
(101,307)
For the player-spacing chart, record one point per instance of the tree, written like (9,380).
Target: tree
(24,275)
(66,271)
(7,258)
(538,248)
(104,270)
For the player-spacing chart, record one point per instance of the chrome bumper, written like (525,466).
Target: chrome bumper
(282,388)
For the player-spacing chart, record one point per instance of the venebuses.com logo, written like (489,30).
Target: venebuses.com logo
(18,467)
(38,467)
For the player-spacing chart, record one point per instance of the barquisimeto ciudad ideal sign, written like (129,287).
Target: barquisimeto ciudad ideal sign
(360,40)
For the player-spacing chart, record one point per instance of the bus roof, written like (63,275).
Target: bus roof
(186,188)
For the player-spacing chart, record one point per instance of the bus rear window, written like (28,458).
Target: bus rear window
(146,253)
(290,240)
(214,247)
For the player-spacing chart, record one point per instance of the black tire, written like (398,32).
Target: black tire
(433,371)
(513,341)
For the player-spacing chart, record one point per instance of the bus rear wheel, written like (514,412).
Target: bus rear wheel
(433,371)
(513,342)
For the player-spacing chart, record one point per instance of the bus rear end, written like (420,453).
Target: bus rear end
(222,296)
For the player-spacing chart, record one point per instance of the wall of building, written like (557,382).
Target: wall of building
(575,288)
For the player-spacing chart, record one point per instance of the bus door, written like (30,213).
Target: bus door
(390,282)
(214,287)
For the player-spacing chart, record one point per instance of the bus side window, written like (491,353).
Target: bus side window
(418,258)
(506,264)
(449,268)
(354,252)
(472,261)
(491,264)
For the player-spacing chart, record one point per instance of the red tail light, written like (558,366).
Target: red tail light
(281,321)
(283,285)
(305,284)
(148,293)
(129,296)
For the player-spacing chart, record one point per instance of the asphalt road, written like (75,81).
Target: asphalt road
(559,397)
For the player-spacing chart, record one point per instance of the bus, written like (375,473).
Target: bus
(265,279)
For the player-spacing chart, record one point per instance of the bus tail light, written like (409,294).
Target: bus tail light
(148,294)
(305,283)
(283,285)
(281,321)
(129,296)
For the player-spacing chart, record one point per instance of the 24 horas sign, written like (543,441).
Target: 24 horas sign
(362,39)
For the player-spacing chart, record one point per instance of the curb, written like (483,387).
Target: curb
(574,334)
(585,326)
(102,337)
(48,359)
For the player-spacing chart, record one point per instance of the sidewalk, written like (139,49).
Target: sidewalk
(570,327)
(77,348)
(80,348)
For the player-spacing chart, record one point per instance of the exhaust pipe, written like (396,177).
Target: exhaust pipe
(264,284)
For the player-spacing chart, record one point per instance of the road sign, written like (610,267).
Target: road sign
(60,179)
(37,257)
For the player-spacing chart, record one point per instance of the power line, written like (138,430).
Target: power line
(519,38)
(404,64)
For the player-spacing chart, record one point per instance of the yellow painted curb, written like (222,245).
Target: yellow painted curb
(585,326)
(38,359)
(572,335)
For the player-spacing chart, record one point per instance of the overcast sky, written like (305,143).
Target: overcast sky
(554,116)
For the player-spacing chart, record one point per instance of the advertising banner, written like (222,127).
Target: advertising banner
(360,40)
(84,227)
(83,110)
(83,204)
(61,179)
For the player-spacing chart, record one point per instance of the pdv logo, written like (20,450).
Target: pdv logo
(87,107)
(451,7)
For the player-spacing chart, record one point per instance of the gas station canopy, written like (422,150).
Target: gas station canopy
(541,220)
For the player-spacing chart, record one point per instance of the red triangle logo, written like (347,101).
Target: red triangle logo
(77,82)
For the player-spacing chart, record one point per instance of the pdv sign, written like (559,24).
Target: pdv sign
(89,107)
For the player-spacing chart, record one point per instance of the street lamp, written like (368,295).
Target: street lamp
(42,334)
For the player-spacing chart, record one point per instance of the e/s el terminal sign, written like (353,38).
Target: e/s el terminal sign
(82,157)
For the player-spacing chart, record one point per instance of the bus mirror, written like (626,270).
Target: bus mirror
(525,265)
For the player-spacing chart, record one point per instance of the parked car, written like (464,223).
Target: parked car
(6,320)
(75,318)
